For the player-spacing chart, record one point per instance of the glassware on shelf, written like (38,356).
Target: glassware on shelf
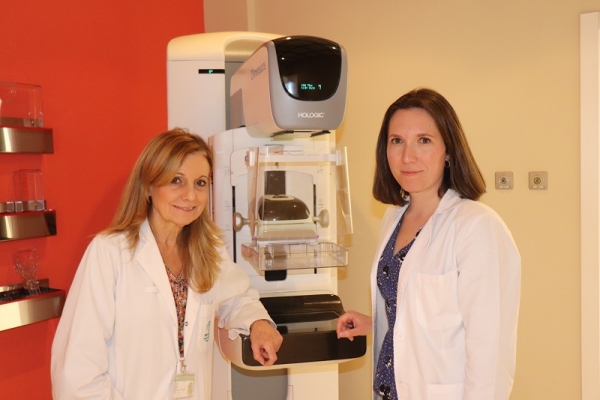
(29,190)
(21,105)
(26,265)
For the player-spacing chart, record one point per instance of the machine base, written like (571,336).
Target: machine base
(308,326)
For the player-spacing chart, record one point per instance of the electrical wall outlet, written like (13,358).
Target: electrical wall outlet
(538,180)
(504,180)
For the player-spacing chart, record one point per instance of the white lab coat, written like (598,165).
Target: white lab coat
(117,337)
(458,302)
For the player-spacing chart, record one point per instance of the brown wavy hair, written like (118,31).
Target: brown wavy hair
(157,165)
(463,174)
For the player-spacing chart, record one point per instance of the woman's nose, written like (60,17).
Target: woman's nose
(189,192)
(408,154)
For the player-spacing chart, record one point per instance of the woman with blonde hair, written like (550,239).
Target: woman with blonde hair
(138,321)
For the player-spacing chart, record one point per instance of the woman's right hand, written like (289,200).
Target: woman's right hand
(353,324)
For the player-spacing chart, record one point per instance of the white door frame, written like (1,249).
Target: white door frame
(590,204)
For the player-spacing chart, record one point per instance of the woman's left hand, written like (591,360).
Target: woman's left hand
(265,341)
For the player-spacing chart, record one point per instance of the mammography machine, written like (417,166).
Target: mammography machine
(269,105)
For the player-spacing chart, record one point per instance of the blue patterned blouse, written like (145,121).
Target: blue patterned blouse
(388,271)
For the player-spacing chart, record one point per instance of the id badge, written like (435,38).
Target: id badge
(183,385)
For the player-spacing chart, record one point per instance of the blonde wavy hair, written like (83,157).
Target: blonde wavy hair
(157,165)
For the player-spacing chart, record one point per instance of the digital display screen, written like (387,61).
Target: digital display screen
(309,67)
(310,86)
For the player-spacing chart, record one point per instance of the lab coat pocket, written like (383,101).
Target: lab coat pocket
(452,391)
(437,300)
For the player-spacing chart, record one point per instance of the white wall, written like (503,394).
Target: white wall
(511,70)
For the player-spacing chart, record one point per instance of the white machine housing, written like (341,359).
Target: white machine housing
(200,69)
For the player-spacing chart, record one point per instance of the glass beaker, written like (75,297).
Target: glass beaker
(29,190)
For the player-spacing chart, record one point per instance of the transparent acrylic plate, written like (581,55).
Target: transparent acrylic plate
(285,256)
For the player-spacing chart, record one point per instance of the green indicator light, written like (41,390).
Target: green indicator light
(211,71)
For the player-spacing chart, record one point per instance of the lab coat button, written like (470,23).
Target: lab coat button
(401,389)
(186,323)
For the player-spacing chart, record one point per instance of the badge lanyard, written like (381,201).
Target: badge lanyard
(183,382)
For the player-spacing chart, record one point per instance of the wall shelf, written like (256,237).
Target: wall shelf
(18,308)
(27,225)
(25,140)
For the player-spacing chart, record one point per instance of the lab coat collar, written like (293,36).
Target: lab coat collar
(450,200)
(148,255)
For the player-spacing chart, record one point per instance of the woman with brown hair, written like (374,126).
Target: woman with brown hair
(445,282)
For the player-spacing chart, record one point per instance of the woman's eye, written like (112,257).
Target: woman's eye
(176,180)
(201,182)
(425,140)
(395,140)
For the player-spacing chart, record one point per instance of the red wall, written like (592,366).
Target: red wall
(102,66)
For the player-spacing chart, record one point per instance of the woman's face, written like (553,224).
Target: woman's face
(182,201)
(416,152)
